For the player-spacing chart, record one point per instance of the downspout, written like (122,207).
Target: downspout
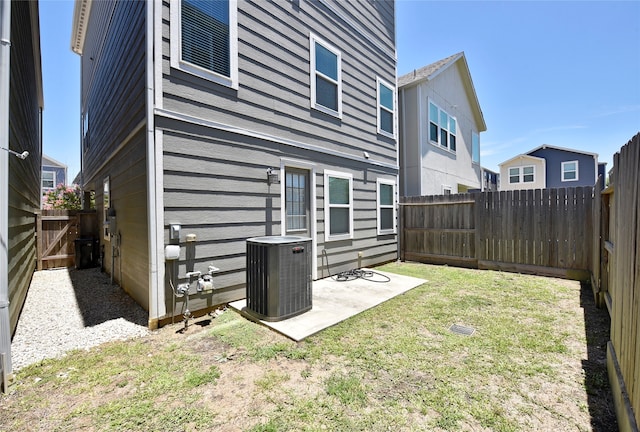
(156,290)
(5,74)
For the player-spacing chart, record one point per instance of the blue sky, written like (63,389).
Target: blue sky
(545,72)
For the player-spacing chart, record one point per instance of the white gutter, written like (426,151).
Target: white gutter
(5,58)
(154,188)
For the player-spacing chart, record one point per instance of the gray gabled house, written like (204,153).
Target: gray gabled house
(207,123)
(549,167)
(440,125)
(21,105)
(53,174)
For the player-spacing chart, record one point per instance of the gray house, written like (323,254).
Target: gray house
(207,123)
(550,166)
(53,173)
(440,126)
(21,104)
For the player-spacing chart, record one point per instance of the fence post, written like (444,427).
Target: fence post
(39,239)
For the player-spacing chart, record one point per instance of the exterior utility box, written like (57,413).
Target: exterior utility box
(278,276)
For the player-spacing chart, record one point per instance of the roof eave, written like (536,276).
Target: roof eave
(81,12)
(521,156)
(545,146)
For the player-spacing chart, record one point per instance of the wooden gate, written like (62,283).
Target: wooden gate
(57,231)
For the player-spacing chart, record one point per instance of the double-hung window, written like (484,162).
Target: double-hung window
(386,207)
(326,77)
(204,39)
(338,205)
(386,108)
(570,171)
(48,179)
(524,174)
(442,127)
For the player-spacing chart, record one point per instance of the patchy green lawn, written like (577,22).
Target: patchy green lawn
(536,361)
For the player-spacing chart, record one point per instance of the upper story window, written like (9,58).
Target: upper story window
(475,147)
(338,207)
(85,128)
(48,179)
(386,207)
(204,39)
(442,127)
(522,174)
(326,77)
(386,108)
(570,171)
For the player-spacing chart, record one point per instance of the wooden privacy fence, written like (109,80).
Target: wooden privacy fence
(57,232)
(545,232)
(616,279)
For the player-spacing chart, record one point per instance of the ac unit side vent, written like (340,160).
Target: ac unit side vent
(278,277)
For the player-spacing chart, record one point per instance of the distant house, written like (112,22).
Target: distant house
(21,104)
(490,180)
(550,167)
(440,126)
(207,123)
(53,173)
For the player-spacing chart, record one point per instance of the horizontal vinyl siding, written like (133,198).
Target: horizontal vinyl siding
(113,78)
(128,180)
(274,93)
(24,175)
(215,186)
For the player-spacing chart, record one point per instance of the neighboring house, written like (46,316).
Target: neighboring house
(490,180)
(440,125)
(207,123)
(550,167)
(21,104)
(53,173)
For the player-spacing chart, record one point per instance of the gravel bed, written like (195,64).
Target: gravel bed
(70,309)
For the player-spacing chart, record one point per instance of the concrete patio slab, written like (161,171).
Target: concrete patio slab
(334,301)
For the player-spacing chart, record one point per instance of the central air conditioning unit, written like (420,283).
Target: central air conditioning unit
(278,276)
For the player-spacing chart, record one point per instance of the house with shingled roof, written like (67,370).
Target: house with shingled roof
(440,121)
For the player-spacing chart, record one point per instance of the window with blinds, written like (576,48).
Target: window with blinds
(204,39)
(205,34)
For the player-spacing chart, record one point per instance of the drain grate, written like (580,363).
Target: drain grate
(463,330)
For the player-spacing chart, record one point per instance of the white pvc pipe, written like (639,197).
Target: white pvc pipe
(5,57)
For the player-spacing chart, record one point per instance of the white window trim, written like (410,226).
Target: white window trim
(521,173)
(53,173)
(562,172)
(313,39)
(176,47)
(380,206)
(380,106)
(447,188)
(437,143)
(327,214)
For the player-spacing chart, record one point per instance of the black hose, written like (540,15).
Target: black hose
(349,275)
